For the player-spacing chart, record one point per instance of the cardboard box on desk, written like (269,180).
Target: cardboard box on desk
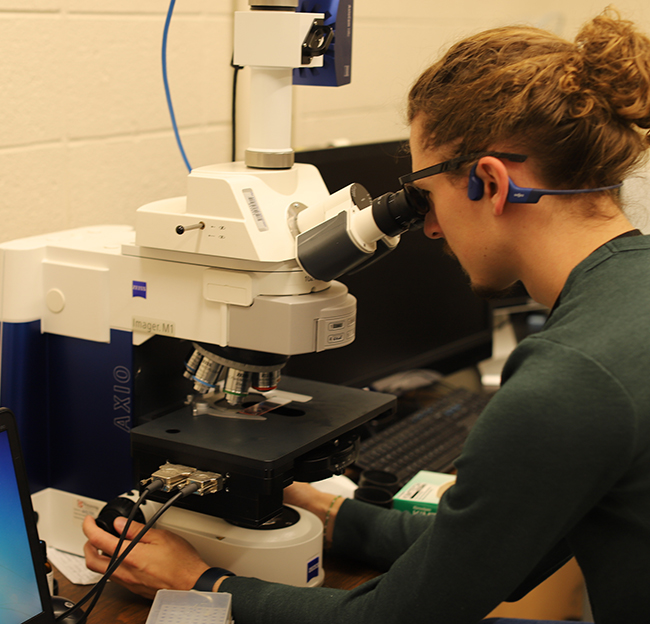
(422,493)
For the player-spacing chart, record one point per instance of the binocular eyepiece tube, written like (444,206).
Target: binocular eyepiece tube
(360,229)
(395,213)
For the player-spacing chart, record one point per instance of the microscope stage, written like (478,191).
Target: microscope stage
(259,447)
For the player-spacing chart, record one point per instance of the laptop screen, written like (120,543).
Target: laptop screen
(20,597)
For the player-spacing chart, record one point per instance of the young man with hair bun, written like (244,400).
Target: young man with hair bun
(537,134)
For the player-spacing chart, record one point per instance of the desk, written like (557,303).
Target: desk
(120,605)
(559,597)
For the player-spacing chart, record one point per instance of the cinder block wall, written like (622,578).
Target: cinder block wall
(85,136)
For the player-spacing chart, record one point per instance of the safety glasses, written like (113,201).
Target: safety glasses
(455,163)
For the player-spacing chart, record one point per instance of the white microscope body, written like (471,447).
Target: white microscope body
(243,268)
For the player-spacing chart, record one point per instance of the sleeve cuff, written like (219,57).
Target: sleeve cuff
(207,580)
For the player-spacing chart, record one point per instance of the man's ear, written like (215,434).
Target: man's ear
(491,176)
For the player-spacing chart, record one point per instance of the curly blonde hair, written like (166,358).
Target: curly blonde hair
(580,110)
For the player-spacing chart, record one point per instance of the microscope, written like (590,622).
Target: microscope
(161,347)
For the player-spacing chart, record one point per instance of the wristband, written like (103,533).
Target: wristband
(327,518)
(207,580)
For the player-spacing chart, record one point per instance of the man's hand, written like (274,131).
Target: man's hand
(161,560)
(323,505)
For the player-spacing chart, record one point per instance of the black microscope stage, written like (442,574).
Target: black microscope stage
(259,457)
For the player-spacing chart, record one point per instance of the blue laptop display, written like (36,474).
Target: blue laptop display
(24,598)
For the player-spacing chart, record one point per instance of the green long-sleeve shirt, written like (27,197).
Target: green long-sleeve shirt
(559,460)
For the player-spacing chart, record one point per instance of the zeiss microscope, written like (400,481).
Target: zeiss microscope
(158,350)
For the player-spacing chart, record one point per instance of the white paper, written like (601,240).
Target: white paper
(72,567)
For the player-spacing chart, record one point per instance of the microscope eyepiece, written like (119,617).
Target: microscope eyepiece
(395,213)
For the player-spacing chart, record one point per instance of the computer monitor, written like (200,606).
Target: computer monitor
(415,308)
(24,597)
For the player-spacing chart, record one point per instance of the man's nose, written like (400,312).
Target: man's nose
(431,226)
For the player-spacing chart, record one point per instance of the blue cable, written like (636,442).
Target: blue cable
(166,82)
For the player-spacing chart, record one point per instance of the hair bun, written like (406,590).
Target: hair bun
(616,66)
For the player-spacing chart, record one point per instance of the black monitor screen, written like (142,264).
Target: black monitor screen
(415,308)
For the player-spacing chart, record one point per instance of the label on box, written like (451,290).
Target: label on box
(422,493)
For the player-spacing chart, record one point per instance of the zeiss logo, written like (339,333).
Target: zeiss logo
(140,289)
(313,568)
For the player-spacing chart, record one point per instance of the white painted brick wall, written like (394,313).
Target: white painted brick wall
(85,136)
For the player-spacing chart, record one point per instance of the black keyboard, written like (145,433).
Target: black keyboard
(430,438)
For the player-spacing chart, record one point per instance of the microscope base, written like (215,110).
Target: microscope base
(292,555)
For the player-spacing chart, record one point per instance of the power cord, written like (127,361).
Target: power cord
(168,96)
(101,584)
(117,560)
(166,83)
(233,113)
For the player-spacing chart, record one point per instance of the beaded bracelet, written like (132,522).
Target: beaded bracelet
(327,517)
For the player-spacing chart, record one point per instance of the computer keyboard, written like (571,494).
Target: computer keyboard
(430,438)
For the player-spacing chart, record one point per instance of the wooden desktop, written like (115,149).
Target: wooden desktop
(559,598)
(117,604)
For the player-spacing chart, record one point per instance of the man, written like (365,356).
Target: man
(521,140)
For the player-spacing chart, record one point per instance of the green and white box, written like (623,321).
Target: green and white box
(422,493)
